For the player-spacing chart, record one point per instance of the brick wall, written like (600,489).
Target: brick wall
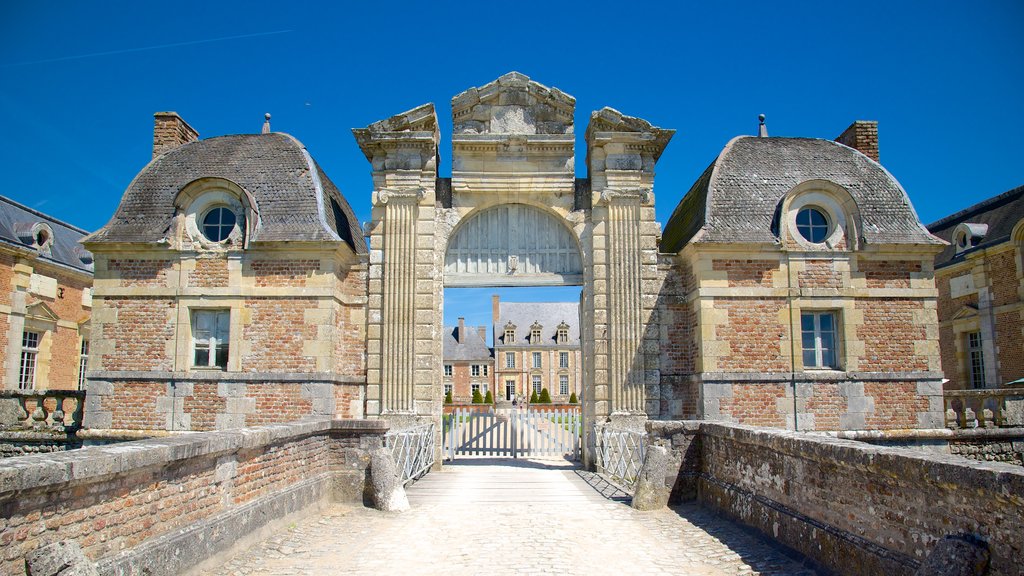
(855,508)
(1002,268)
(139,335)
(747,272)
(183,498)
(753,333)
(140,272)
(819,274)
(890,332)
(888,273)
(276,333)
(756,404)
(283,272)
(133,405)
(1010,343)
(210,272)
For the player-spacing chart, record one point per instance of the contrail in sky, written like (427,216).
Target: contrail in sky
(143,48)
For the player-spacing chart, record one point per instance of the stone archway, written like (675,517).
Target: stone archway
(513,146)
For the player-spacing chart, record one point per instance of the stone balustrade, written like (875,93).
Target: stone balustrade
(42,410)
(985,408)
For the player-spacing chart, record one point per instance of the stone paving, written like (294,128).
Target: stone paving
(486,516)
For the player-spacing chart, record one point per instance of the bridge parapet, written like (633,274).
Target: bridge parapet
(49,410)
(165,505)
(984,408)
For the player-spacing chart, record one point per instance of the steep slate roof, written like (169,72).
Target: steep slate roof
(549,314)
(736,198)
(294,198)
(1001,213)
(16,221)
(469,346)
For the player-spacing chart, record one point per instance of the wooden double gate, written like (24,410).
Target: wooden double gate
(515,433)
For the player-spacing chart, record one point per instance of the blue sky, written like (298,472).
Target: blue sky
(79,82)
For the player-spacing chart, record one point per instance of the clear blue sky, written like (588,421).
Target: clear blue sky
(79,82)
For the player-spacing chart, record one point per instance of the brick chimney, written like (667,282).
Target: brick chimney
(462,331)
(482,331)
(171,131)
(495,299)
(862,135)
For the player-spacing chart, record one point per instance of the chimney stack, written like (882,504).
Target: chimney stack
(862,135)
(462,330)
(171,131)
(482,331)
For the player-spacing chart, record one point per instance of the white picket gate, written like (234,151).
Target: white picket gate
(518,433)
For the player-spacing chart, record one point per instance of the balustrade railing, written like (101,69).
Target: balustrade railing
(984,408)
(620,455)
(42,410)
(413,450)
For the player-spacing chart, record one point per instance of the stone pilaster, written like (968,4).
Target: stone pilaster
(403,296)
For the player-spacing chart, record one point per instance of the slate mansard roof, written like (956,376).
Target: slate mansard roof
(548,314)
(1000,213)
(468,346)
(736,198)
(295,200)
(17,222)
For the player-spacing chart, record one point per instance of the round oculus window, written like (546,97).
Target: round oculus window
(812,224)
(218,224)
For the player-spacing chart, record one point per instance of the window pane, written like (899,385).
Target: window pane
(202,356)
(809,359)
(223,325)
(828,340)
(828,358)
(807,322)
(807,340)
(222,356)
(826,322)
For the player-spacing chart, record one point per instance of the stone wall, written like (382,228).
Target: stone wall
(851,507)
(162,506)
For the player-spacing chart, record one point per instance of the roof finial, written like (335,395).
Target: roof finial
(762,130)
(266,123)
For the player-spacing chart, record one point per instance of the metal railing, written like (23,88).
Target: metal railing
(984,408)
(56,410)
(620,455)
(413,450)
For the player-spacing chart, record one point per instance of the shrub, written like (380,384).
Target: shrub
(448,398)
(477,398)
(533,398)
(489,399)
(573,399)
(545,396)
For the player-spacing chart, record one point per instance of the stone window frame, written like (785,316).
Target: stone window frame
(448,370)
(474,388)
(510,334)
(537,360)
(563,333)
(485,369)
(83,361)
(837,332)
(510,359)
(211,365)
(474,370)
(967,235)
(447,388)
(834,202)
(536,383)
(31,343)
(510,383)
(535,333)
(563,355)
(975,359)
(200,197)
(563,384)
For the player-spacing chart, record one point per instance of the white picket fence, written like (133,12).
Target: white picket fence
(517,433)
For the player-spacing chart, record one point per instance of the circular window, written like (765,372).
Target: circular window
(812,224)
(218,224)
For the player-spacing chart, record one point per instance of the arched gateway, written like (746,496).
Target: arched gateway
(513,214)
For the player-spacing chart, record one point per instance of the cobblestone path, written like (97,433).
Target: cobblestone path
(513,517)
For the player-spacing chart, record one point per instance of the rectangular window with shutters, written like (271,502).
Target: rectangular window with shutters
(29,353)
(211,333)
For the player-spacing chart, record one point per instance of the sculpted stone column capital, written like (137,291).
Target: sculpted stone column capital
(608,195)
(385,195)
